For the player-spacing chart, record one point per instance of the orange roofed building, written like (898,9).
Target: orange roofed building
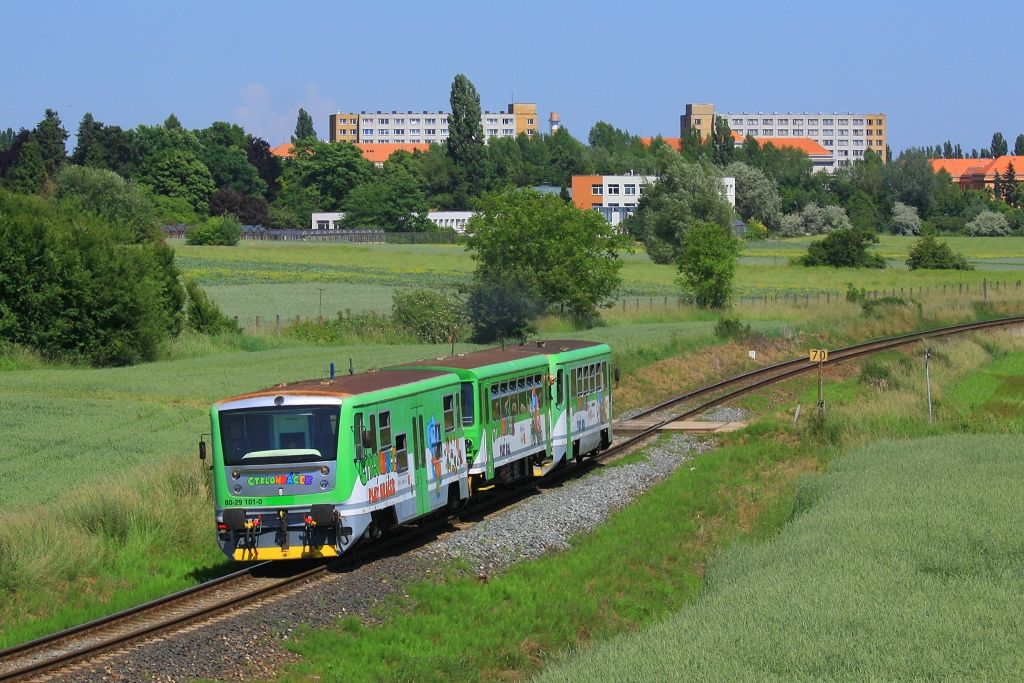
(978,174)
(375,153)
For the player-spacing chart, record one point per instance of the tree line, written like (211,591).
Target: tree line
(998,148)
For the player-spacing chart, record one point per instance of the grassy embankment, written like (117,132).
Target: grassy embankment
(267,279)
(740,495)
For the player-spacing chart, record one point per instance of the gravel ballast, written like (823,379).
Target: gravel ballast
(248,643)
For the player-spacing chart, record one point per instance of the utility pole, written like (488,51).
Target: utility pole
(321,316)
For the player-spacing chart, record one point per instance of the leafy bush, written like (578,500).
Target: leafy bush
(219,230)
(756,230)
(905,220)
(429,315)
(929,252)
(855,295)
(731,328)
(707,263)
(844,248)
(203,315)
(815,220)
(127,206)
(988,224)
(67,289)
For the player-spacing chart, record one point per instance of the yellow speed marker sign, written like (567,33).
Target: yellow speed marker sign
(818,355)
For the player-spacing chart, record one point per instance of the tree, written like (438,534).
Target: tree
(219,230)
(87,150)
(757,196)
(502,307)
(999,146)
(815,220)
(905,220)
(28,173)
(466,140)
(567,157)
(707,263)
(911,179)
(1010,183)
(844,248)
(929,252)
(266,164)
(429,315)
(51,137)
(328,170)
(392,202)
(204,316)
(686,194)
(304,130)
(988,224)
(67,289)
(556,254)
(1018,145)
(723,146)
(128,207)
(6,139)
(179,173)
(248,210)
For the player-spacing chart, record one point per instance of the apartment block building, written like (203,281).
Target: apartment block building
(427,127)
(846,135)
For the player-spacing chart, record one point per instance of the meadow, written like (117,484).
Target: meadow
(270,279)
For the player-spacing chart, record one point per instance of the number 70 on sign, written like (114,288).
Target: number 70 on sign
(818,355)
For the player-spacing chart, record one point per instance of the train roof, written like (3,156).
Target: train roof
(344,385)
(496,356)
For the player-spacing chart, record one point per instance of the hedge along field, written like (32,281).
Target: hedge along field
(904,561)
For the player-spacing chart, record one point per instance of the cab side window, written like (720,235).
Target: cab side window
(385,428)
(401,452)
(448,407)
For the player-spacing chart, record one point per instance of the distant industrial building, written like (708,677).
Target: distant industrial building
(452,220)
(427,127)
(844,135)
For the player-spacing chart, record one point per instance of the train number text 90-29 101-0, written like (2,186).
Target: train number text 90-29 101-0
(239,502)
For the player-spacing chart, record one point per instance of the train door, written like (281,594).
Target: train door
(419,460)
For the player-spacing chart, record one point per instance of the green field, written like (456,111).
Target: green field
(903,562)
(269,279)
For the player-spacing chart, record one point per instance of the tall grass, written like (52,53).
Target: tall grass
(903,562)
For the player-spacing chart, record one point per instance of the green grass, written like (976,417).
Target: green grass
(904,562)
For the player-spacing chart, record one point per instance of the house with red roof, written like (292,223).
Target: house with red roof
(374,152)
(978,174)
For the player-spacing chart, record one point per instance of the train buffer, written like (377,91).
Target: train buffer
(687,426)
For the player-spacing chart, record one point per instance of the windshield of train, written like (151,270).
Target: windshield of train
(270,436)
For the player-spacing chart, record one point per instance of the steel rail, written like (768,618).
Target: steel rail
(757,379)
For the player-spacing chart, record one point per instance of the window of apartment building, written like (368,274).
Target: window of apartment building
(858,122)
(844,122)
(783,122)
(529,122)
(399,131)
(737,122)
(430,121)
(613,189)
(844,131)
(829,131)
(383,141)
(492,131)
(629,189)
(858,143)
(400,120)
(844,143)
(431,131)
(878,143)
(323,225)
(414,122)
(813,132)
(751,122)
(596,190)
(767,132)
(384,121)
(858,152)
(766,122)
(827,122)
(827,143)
(844,153)
(492,120)
(798,132)
(507,131)
(783,133)
(367,131)
(630,204)
(798,122)
(612,204)
(857,131)
(696,122)
(444,131)
(414,131)
(752,131)
(506,122)
(871,122)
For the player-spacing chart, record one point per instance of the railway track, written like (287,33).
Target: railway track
(57,652)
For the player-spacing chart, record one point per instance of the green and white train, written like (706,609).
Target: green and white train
(307,469)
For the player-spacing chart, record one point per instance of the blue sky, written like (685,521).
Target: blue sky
(938,69)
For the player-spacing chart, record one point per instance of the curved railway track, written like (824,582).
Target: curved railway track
(80,643)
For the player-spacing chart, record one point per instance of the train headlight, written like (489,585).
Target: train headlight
(323,484)
(325,470)
(235,474)
(237,489)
